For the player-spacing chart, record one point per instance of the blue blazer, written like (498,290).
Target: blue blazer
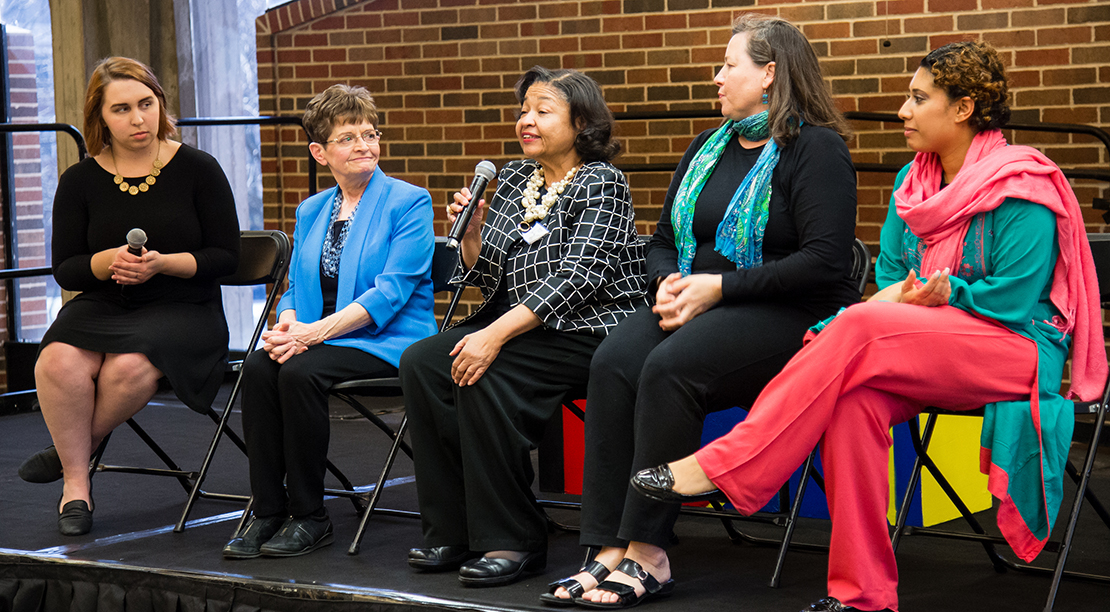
(385,267)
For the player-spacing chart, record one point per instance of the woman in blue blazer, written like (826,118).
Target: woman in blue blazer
(360,292)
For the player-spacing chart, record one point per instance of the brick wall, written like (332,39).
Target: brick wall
(442,72)
(27,206)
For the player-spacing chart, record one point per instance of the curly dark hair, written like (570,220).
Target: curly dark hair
(972,69)
(595,140)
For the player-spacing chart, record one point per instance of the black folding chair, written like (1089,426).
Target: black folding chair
(922,436)
(263,258)
(860,273)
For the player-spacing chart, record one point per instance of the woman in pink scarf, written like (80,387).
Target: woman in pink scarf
(986,280)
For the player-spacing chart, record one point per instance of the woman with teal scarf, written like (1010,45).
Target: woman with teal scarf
(753,247)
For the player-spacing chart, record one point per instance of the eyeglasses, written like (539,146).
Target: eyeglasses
(369,137)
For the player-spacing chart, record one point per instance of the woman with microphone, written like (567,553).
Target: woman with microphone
(142,316)
(559,265)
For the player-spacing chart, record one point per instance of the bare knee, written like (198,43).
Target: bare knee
(129,370)
(60,363)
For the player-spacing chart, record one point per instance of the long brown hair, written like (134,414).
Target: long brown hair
(115,69)
(798,92)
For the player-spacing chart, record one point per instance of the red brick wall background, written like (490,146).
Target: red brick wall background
(442,73)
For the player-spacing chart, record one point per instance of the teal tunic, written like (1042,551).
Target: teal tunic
(1005,274)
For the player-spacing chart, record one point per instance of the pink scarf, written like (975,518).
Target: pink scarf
(992,172)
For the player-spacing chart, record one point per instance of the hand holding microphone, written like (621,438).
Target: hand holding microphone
(127,272)
(483,174)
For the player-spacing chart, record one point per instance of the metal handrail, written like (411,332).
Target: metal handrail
(82,153)
(705,113)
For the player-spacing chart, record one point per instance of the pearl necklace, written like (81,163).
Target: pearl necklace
(534,212)
(147,182)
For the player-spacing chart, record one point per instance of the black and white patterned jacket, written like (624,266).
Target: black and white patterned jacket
(587,273)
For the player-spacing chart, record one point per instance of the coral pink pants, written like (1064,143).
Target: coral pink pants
(878,364)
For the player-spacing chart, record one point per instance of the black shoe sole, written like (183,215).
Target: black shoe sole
(527,567)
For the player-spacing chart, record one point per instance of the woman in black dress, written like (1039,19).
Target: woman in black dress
(138,317)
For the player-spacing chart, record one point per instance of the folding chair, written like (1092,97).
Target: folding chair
(443,266)
(921,437)
(263,258)
(860,273)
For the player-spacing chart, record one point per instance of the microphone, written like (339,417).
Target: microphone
(483,174)
(136,238)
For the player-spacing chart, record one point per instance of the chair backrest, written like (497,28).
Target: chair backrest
(861,264)
(1100,249)
(444,261)
(263,258)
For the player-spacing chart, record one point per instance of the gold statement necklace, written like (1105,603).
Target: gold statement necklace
(147,182)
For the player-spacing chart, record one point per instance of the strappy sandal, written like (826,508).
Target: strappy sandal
(627,593)
(575,588)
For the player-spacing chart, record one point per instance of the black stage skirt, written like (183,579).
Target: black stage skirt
(186,341)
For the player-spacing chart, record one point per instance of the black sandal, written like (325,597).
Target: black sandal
(575,588)
(627,593)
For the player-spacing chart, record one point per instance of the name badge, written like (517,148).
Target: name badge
(534,233)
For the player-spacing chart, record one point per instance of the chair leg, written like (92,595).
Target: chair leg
(915,477)
(97,455)
(221,427)
(376,494)
(183,480)
(920,447)
(792,518)
(1077,505)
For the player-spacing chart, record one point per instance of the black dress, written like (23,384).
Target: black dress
(177,323)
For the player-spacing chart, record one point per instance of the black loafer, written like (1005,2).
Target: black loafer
(75,518)
(490,571)
(248,543)
(572,586)
(298,536)
(658,484)
(440,558)
(41,467)
(832,604)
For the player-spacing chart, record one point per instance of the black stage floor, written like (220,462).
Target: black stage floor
(132,550)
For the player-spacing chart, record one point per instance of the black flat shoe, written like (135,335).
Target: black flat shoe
(627,593)
(658,484)
(75,518)
(247,544)
(440,558)
(573,587)
(298,536)
(491,571)
(41,467)
(832,604)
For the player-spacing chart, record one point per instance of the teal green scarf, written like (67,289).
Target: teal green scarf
(740,233)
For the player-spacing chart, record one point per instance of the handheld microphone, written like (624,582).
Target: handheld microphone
(136,238)
(483,174)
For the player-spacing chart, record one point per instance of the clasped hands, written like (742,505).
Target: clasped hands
(679,299)
(128,269)
(289,338)
(935,292)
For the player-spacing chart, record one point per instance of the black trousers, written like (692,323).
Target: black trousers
(471,445)
(649,394)
(286,426)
